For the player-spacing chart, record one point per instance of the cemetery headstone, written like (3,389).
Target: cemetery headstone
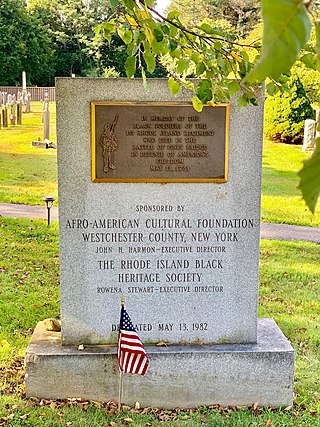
(160,203)
(19,112)
(13,112)
(5,116)
(28,103)
(309,135)
(317,123)
(46,121)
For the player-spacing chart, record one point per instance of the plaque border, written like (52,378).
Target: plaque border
(94,178)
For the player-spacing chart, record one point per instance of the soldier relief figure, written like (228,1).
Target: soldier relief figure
(109,142)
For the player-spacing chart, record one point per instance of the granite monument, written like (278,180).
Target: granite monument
(161,203)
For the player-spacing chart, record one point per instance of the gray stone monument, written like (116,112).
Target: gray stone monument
(309,135)
(19,111)
(13,112)
(163,204)
(46,122)
(5,116)
(28,102)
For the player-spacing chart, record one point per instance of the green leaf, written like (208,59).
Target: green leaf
(114,4)
(144,79)
(243,101)
(174,14)
(201,68)
(108,27)
(204,91)
(233,87)
(206,28)
(271,88)
(173,45)
(165,29)
(126,36)
(159,48)
(150,3)
(286,30)
(177,53)
(197,104)
(173,30)
(310,179)
(150,61)
(130,66)
(195,57)
(189,85)
(158,34)
(309,59)
(182,65)
(174,86)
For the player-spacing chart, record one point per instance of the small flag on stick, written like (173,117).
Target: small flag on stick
(132,358)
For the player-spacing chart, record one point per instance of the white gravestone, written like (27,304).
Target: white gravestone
(309,135)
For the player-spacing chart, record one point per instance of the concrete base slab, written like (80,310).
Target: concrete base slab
(178,376)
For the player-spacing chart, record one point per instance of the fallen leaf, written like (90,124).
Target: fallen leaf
(162,344)
(24,417)
(4,343)
(128,420)
(137,406)
(255,405)
(269,423)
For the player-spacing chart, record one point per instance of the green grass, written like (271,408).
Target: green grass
(27,174)
(281,200)
(29,292)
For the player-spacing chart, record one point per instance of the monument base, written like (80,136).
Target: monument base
(178,376)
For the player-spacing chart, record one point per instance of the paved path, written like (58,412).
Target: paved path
(268,231)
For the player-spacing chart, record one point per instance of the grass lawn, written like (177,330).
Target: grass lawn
(29,292)
(281,200)
(27,174)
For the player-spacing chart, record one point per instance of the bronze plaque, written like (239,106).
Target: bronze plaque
(152,142)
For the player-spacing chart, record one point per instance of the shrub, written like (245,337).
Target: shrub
(285,113)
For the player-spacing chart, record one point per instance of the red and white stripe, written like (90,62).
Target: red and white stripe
(132,358)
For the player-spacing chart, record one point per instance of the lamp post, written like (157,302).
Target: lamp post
(49,202)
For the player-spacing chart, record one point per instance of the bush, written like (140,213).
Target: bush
(285,113)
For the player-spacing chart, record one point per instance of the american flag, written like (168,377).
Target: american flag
(132,358)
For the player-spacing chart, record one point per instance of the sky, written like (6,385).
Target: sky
(161,5)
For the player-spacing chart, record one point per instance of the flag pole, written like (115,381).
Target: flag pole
(121,373)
